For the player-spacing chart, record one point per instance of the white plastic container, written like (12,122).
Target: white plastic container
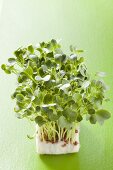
(59,147)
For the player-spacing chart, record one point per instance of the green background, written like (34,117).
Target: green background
(85,23)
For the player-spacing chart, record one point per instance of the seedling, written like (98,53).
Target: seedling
(56,91)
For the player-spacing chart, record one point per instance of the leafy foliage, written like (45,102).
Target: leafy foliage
(55,87)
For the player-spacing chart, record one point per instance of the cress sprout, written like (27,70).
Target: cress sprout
(55,90)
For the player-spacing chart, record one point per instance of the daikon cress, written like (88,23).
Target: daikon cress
(56,92)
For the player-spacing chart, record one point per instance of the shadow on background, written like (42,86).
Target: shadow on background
(60,162)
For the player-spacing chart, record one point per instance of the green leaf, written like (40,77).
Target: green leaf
(102,115)
(79,118)
(68,67)
(19,97)
(53,42)
(37,108)
(39,120)
(28,112)
(48,99)
(29,71)
(19,116)
(63,123)
(42,44)
(7,71)
(49,55)
(58,51)
(72,116)
(31,49)
(41,72)
(14,95)
(29,91)
(65,86)
(39,49)
(73,57)
(91,111)
(30,137)
(75,50)
(50,64)
(44,67)
(69,114)
(22,78)
(38,99)
(77,97)
(93,119)
(20,59)
(71,48)
(17,109)
(60,58)
(50,114)
(85,84)
(53,117)
(82,69)
(79,51)
(3,67)
(11,60)
(81,60)
(20,51)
